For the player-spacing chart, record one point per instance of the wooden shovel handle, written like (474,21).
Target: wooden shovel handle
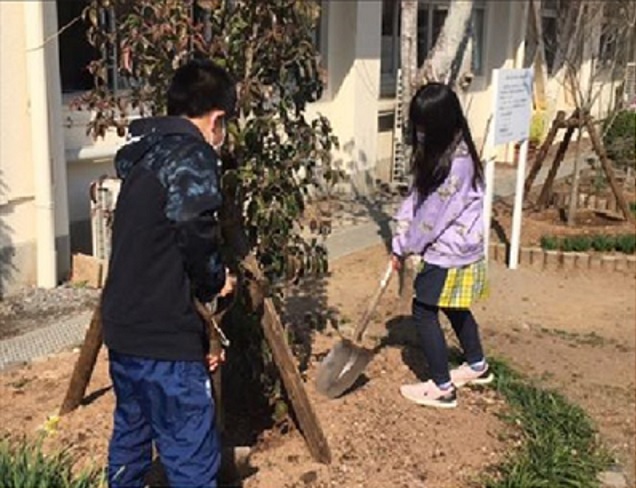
(373,304)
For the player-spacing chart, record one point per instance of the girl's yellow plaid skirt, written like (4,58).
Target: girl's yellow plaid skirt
(451,287)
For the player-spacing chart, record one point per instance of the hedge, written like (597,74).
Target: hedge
(625,243)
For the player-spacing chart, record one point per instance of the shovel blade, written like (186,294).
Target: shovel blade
(340,369)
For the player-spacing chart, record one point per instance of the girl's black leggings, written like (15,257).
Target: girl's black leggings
(426,318)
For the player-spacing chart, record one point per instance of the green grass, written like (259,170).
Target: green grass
(624,243)
(549,243)
(23,464)
(559,445)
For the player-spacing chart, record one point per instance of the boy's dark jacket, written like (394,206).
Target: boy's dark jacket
(165,242)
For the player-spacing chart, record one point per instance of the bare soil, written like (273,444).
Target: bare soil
(571,332)
(552,221)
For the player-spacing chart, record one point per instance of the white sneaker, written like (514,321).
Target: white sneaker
(465,375)
(430,395)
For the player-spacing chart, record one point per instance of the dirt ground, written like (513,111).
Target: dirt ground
(573,332)
(552,221)
(549,223)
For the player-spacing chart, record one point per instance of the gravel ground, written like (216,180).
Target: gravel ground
(30,308)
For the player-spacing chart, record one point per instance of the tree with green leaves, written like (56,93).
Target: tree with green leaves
(274,157)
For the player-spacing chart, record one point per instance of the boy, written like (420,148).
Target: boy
(165,252)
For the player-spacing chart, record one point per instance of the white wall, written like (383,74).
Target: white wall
(15,136)
(96,159)
(17,209)
(17,174)
(353,86)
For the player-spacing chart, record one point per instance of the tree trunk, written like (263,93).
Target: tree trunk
(539,62)
(569,42)
(408,53)
(576,176)
(445,59)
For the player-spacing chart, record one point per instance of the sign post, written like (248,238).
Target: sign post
(511,123)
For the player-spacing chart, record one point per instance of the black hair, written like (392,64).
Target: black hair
(436,111)
(199,87)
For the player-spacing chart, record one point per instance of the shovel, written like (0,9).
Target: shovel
(347,359)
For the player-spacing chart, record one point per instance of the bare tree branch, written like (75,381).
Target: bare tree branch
(57,34)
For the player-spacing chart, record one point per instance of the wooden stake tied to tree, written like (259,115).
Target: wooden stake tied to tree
(578,120)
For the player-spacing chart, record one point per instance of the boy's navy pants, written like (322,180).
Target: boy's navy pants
(169,403)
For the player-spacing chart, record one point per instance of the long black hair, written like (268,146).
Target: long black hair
(438,127)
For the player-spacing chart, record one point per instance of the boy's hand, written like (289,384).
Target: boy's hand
(214,362)
(229,286)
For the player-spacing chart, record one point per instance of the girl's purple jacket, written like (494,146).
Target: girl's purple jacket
(447,228)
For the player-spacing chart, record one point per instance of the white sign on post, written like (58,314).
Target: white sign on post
(513,105)
(511,123)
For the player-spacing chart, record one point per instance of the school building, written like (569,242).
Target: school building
(47,161)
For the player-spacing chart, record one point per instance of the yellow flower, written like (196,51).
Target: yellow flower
(51,424)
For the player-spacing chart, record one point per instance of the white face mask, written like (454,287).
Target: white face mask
(217,147)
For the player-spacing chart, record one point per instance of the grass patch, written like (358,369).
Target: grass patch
(23,464)
(588,339)
(624,243)
(559,443)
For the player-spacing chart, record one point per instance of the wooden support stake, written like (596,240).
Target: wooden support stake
(307,419)
(609,171)
(275,335)
(274,331)
(544,198)
(84,365)
(557,123)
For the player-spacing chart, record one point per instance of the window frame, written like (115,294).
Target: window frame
(550,12)
(116,81)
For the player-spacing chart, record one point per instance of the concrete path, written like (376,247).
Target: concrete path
(342,242)
(45,341)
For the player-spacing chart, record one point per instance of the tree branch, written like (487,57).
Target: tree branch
(56,34)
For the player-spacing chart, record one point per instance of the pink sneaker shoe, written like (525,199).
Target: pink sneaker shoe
(465,375)
(430,395)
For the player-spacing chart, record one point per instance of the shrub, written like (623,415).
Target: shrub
(620,138)
(549,243)
(603,243)
(576,244)
(23,464)
(626,243)
(537,127)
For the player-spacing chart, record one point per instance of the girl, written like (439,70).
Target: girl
(441,222)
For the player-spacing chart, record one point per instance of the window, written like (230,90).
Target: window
(479,39)
(320,30)
(616,42)
(76,52)
(430,21)
(390,50)
(549,25)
